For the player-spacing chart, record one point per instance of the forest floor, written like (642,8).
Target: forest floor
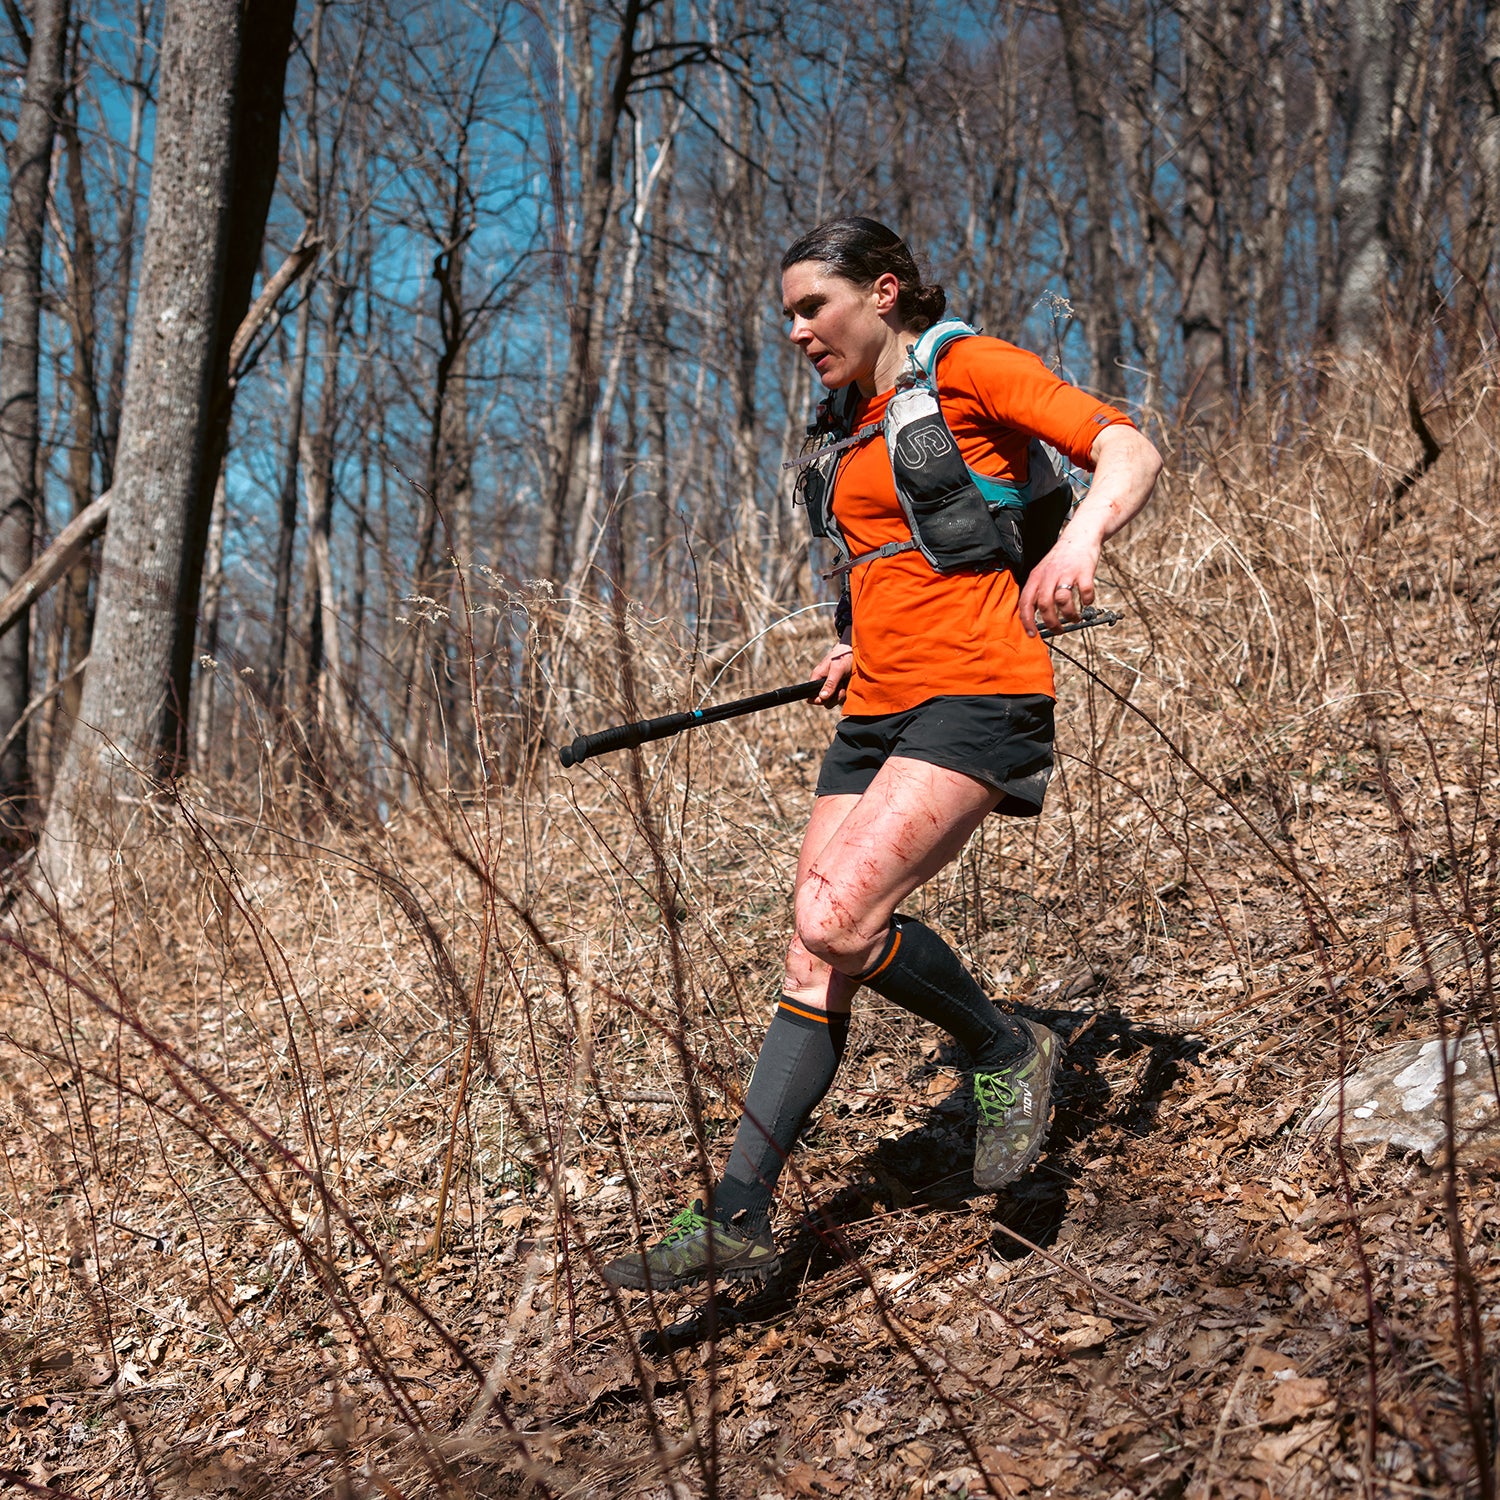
(243,1087)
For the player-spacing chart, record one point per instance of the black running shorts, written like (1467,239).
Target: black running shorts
(1003,740)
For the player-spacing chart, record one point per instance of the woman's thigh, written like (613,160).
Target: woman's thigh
(827,818)
(862,857)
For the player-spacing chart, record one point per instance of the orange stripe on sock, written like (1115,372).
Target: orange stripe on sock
(884,963)
(808,1015)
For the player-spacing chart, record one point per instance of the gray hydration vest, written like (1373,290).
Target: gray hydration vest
(961,521)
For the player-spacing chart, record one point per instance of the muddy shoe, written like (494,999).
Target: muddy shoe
(1015,1105)
(683,1256)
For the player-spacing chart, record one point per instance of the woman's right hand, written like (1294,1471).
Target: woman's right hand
(835,670)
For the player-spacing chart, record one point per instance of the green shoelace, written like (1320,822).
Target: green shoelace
(994,1096)
(689,1221)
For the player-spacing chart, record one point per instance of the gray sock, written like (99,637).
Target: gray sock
(921,973)
(797,1061)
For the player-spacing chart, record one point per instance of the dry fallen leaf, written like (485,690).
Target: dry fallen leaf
(803,1479)
(1277,1447)
(1008,1470)
(1288,1244)
(1090,1334)
(1269,1362)
(758,1397)
(1293,1398)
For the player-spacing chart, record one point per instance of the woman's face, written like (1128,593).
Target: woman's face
(841,327)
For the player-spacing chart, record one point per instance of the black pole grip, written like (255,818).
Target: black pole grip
(624,736)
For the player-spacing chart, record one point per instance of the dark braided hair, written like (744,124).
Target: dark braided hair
(862,250)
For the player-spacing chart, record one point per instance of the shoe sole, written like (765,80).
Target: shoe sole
(758,1272)
(1029,1160)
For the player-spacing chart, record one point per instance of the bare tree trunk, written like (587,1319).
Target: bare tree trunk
(659,366)
(322,689)
(1269,265)
(1102,308)
(1364,242)
(899,89)
(208,643)
(448,272)
(1319,154)
(573,415)
(261,81)
(20,323)
(1201,277)
(746,295)
(286,510)
(365,263)
(286,519)
(72,617)
(140,88)
(586,538)
(458,499)
(417,650)
(359,586)
(214,168)
(1484,217)
(1137,129)
(1424,65)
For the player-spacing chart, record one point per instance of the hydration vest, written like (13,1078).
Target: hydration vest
(961,521)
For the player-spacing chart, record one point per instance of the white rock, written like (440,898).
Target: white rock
(1396,1097)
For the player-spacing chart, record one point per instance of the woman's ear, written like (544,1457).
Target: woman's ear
(886,289)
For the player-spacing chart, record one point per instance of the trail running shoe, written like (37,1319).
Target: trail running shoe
(1015,1105)
(683,1256)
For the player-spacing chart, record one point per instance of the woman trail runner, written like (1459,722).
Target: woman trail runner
(930,483)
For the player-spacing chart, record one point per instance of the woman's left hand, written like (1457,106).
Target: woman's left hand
(1061,584)
(1126,464)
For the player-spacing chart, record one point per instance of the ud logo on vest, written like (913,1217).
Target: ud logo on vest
(923,442)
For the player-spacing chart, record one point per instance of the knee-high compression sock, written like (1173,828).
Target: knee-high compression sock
(797,1061)
(921,973)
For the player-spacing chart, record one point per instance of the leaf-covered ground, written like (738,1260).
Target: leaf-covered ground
(243,1087)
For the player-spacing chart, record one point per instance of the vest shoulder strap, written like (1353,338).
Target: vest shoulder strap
(930,345)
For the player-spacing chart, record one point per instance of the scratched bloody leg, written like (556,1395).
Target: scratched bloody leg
(861,857)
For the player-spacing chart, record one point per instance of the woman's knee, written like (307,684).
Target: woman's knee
(826,927)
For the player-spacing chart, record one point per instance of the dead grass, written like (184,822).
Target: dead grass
(287,1042)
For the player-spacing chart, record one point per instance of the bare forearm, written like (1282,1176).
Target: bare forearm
(1126,466)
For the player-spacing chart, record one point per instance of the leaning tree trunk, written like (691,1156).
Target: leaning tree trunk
(20,323)
(214,165)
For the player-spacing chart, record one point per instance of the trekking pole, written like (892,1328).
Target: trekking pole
(625,736)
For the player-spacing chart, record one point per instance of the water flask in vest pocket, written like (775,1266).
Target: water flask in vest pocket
(953,524)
